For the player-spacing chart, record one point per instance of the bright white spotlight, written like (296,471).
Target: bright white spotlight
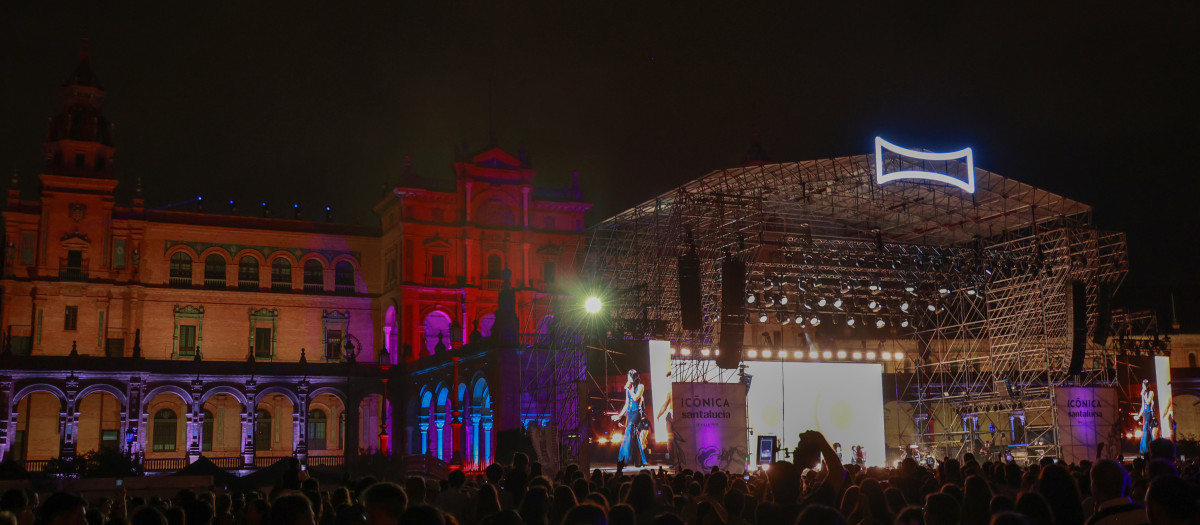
(813,354)
(827,355)
(904,307)
(856,355)
(704,352)
(870,355)
(798,354)
(766,354)
(762,317)
(841,354)
(931,308)
(750,298)
(880,323)
(849,321)
(822,302)
(816,321)
(783,299)
(685,351)
(592,305)
(898,356)
(886,355)
(752,354)
(837,303)
(904,323)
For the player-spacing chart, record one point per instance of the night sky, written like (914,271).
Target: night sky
(320,105)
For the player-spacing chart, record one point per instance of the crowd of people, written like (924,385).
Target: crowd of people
(1154,490)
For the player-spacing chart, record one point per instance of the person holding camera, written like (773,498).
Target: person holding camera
(632,452)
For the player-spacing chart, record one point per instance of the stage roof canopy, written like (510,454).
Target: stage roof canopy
(839,197)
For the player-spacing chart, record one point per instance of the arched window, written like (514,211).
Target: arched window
(248,273)
(262,430)
(316,429)
(206,430)
(281,275)
(181,269)
(485,325)
(214,271)
(166,429)
(314,276)
(495,267)
(437,330)
(343,277)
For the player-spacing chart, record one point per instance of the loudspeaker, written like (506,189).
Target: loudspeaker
(1104,293)
(690,315)
(1077,330)
(733,313)
(511,441)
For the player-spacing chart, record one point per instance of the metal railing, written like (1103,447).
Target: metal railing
(180,282)
(35,465)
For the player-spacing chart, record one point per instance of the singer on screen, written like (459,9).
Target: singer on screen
(632,452)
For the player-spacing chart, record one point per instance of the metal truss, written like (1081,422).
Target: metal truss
(979,283)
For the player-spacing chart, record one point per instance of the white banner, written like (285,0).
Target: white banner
(709,424)
(1086,416)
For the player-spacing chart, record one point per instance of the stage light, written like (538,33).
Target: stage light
(822,302)
(912,289)
(880,323)
(841,354)
(769,301)
(898,356)
(874,287)
(766,354)
(603,441)
(845,287)
(873,304)
(837,303)
(717,352)
(827,355)
(592,305)
(904,323)
(944,291)
(783,299)
(904,307)
(752,354)
(750,298)
(856,355)
(671,351)
(762,317)
(849,321)
(813,354)
(807,305)
(815,321)
(870,355)
(704,352)
(686,352)
(1137,433)
(1129,435)
(971,291)
(798,354)
(931,307)
(886,355)
(617,438)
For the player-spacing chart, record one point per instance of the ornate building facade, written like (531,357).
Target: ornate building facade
(175,334)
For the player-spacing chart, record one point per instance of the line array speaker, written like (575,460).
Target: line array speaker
(690,315)
(1104,293)
(1077,330)
(733,313)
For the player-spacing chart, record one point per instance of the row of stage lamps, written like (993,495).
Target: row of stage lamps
(771,296)
(811,355)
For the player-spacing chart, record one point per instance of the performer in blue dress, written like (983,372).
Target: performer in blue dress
(1147,417)
(632,452)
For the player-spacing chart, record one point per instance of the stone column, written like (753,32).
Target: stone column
(249,424)
(69,419)
(195,422)
(8,423)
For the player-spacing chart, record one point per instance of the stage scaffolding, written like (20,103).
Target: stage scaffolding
(977,285)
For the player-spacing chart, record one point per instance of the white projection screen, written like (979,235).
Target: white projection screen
(844,401)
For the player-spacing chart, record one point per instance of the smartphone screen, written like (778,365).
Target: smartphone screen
(120,482)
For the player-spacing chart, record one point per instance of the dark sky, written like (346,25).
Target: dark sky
(320,105)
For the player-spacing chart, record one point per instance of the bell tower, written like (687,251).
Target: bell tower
(80,140)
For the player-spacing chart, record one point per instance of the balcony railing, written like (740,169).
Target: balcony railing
(326,461)
(233,463)
(35,465)
(247,284)
(72,273)
(180,282)
(493,284)
(314,287)
(164,464)
(281,286)
(214,284)
(343,289)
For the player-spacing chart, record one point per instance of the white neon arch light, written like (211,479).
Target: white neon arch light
(965,154)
